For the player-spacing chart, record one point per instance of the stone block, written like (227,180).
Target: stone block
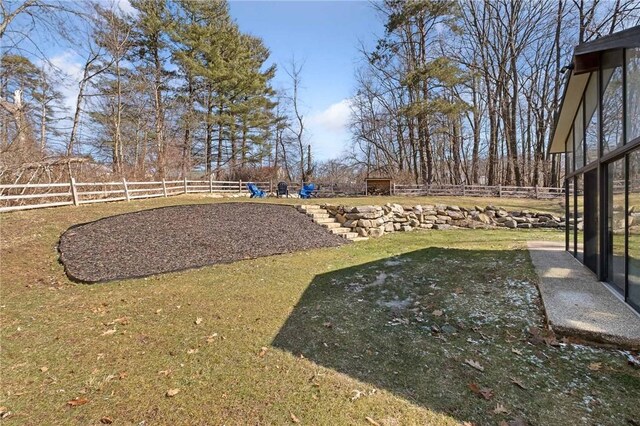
(510,223)
(376,232)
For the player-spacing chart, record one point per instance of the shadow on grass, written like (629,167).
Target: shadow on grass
(407,324)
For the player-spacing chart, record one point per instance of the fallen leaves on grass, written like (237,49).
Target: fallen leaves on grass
(536,335)
(437,313)
(121,321)
(192,351)
(371,421)
(172,392)
(4,412)
(164,372)
(198,321)
(518,383)
(500,409)
(211,337)
(474,364)
(44,369)
(595,366)
(485,393)
(294,419)
(327,324)
(516,351)
(263,351)
(109,332)
(357,394)
(106,420)
(75,402)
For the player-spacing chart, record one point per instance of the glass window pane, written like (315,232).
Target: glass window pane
(634,228)
(611,101)
(580,218)
(571,217)
(616,223)
(633,94)
(578,135)
(569,155)
(591,118)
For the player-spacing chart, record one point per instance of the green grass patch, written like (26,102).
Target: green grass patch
(379,329)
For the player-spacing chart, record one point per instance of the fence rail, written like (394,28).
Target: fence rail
(34,196)
(499,191)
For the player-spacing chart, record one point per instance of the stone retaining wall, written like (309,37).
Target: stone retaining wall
(375,221)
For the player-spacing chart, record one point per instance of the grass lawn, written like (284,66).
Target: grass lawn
(395,330)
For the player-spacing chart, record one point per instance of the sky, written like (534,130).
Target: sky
(325,37)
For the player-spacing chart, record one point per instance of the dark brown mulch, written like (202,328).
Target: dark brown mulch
(169,239)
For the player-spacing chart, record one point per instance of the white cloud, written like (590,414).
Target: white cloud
(333,119)
(69,64)
(329,130)
(126,7)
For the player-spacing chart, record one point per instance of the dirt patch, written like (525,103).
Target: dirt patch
(175,238)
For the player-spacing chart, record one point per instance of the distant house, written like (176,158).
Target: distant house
(598,129)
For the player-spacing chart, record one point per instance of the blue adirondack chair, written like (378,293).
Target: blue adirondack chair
(255,191)
(307,191)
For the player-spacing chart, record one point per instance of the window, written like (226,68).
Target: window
(571,223)
(616,223)
(633,94)
(611,101)
(578,138)
(634,228)
(591,119)
(580,217)
(569,154)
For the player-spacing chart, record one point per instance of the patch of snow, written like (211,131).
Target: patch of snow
(380,279)
(396,304)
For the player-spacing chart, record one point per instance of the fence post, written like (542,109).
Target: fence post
(500,191)
(393,190)
(211,184)
(164,187)
(463,190)
(74,192)
(270,185)
(126,189)
(186,190)
(536,188)
(240,185)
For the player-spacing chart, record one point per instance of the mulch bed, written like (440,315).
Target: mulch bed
(175,238)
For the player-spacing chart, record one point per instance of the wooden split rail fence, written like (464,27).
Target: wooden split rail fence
(33,196)
(537,192)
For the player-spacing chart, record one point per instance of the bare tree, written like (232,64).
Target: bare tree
(297,125)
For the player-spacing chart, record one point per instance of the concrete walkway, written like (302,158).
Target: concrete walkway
(577,304)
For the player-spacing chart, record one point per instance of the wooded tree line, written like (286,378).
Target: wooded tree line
(465,92)
(171,89)
(454,92)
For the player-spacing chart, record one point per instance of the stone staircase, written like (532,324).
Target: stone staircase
(322,217)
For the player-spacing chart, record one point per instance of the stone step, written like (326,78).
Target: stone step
(330,225)
(340,230)
(319,215)
(309,206)
(359,239)
(325,220)
(349,235)
(316,211)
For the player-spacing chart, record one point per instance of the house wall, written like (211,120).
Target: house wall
(602,164)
